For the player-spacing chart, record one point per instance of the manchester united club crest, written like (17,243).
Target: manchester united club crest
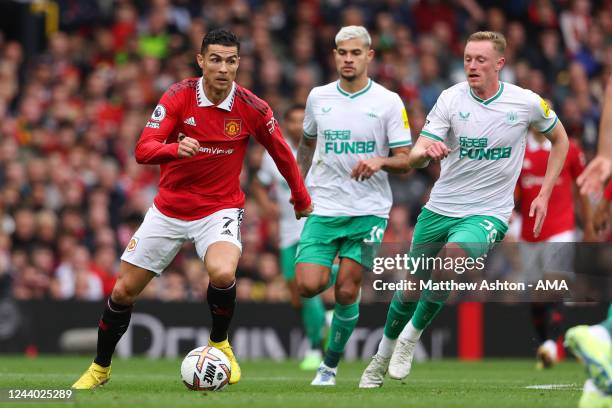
(232,127)
(132,244)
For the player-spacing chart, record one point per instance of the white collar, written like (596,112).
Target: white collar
(203,101)
(533,144)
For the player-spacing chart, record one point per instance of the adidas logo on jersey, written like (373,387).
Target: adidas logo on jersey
(190,121)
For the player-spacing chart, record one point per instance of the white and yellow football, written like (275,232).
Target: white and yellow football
(205,368)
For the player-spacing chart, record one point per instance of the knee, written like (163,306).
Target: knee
(310,281)
(222,278)
(222,271)
(347,294)
(123,294)
(308,288)
(347,289)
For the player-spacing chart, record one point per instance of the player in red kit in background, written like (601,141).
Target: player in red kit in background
(198,134)
(545,256)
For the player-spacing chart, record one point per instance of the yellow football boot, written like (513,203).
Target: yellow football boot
(225,347)
(95,376)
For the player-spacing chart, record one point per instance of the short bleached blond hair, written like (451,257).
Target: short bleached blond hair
(350,32)
(498,39)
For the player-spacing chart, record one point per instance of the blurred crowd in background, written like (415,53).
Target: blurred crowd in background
(71,193)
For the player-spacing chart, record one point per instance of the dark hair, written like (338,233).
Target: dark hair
(294,107)
(221,37)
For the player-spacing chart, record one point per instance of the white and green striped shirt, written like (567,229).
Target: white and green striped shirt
(487,141)
(350,128)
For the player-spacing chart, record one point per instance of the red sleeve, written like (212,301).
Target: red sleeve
(576,160)
(268,133)
(608,191)
(151,147)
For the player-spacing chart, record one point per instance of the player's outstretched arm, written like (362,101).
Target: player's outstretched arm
(558,153)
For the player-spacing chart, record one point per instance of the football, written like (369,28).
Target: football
(205,369)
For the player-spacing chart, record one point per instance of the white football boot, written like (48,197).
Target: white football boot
(374,374)
(401,359)
(326,376)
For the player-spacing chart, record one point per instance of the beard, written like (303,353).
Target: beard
(349,77)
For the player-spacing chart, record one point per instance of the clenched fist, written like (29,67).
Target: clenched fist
(188,147)
(437,151)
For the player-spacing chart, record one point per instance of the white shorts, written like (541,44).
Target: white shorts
(553,256)
(159,237)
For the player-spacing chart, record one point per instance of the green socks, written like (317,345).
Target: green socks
(430,304)
(398,315)
(425,313)
(343,324)
(422,312)
(313,319)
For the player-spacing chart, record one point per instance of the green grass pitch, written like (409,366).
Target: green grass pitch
(139,382)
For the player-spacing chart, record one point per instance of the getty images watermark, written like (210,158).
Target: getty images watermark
(508,272)
(457,265)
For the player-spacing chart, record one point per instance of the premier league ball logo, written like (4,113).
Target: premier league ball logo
(159,113)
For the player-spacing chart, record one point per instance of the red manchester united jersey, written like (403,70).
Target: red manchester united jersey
(560,216)
(194,187)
